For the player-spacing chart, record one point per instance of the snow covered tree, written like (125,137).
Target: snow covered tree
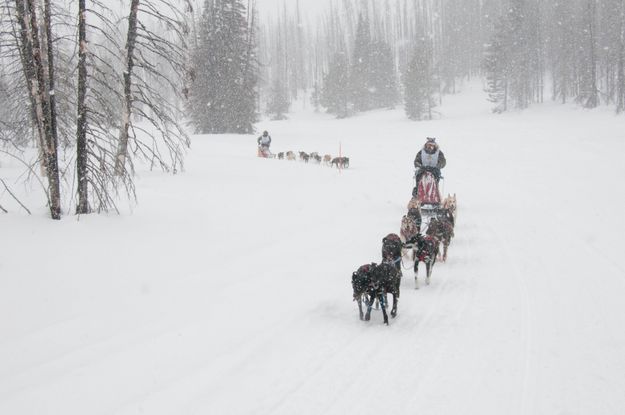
(620,88)
(360,74)
(372,77)
(588,90)
(224,73)
(518,54)
(383,78)
(562,51)
(335,89)
(419,83)
(315,96)
(279,102)
(513,58)
(495,67)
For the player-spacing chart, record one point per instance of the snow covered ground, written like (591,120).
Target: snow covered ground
(227,289)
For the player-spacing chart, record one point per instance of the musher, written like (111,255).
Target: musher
(429,158)
(264,141)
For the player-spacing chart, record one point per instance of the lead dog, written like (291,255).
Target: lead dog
(361,279)
(340,162)
(384,280)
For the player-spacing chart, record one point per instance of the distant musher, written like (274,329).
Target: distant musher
(264,141)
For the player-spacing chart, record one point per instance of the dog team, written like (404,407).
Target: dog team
(327,160)
(373,282)
(264,142)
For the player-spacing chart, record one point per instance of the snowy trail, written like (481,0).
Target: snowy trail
(227,290)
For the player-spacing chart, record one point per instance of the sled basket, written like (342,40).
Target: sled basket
(427,191)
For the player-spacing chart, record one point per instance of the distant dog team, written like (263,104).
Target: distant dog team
(314,157)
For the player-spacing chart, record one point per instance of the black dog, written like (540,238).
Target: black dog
(361,280)
(384,280)
(424,249)
(391,250)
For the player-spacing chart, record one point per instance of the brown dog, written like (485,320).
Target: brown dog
(442,230)
(340,162)
(414,204)
(451,204)
(408,228)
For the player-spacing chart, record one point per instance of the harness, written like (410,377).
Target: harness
(422,254)
(392,261)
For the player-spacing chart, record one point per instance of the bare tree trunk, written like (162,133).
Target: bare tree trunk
(30,73)
(51,80)
(51,148)
(505,95)
(38,87)
(81,133)
(122,151)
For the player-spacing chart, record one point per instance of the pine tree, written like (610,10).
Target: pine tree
(315,96)
(279,103)
(360,74)
(518,54)
(335,90)
(419,83)
(383,78)
(562,52)
(620,79)
(513,59)
(495,67)
(225,72)
(588,90)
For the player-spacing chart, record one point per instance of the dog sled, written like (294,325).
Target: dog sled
(427,192)
(264,152)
